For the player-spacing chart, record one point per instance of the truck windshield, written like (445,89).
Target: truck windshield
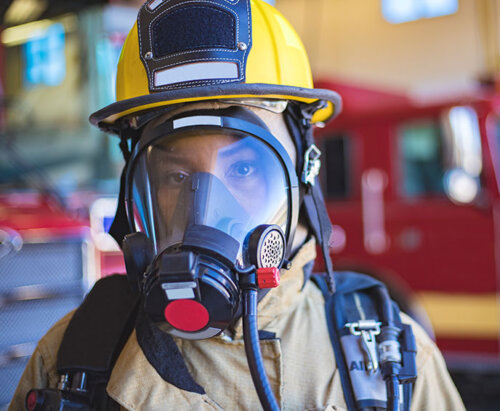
(431,149)
(421,151)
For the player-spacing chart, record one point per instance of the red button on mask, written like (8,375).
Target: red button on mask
(186,315)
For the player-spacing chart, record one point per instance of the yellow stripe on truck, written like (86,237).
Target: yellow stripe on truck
(463,315)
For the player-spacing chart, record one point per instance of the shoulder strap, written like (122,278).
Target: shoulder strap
(96,335)
(375,351)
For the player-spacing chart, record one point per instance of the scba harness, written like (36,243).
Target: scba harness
(375,352)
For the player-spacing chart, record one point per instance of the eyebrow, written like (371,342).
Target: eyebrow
(238,148)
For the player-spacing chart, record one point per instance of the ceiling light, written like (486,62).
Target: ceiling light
(20,34)
(21,11)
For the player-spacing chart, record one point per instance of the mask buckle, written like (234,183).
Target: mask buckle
(312,165)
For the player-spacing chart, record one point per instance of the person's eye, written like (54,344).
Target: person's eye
(175,178)
(241,169)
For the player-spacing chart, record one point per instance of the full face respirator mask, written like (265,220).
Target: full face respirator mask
(211,199)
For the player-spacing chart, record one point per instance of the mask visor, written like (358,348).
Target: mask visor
(223,179)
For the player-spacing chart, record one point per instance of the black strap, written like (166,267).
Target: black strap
(313,199)
(319,221)
(298,120)
(352,291)
(119,227)
(320,281)
(129,137)
(96,335)
(99,328)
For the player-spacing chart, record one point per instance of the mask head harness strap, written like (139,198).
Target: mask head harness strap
(298,119)
(119,227)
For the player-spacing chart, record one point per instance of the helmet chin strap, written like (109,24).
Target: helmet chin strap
(298,119)
(314,205)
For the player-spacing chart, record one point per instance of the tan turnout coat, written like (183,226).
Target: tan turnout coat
(300,363)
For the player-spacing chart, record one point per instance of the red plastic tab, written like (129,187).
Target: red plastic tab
(268,277)
(186,315)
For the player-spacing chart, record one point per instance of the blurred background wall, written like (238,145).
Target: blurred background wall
(357,41)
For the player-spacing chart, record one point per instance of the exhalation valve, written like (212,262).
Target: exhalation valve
(266,246)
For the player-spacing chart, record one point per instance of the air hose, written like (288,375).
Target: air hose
(390,356)
(254,355)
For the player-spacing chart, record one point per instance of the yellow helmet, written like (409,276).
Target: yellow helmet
(184,51)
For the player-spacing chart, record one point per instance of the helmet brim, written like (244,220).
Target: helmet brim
(108,117)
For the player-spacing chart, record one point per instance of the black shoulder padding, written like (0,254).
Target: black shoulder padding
(99,328)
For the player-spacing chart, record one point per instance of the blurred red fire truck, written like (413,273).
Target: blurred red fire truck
(45,269)
(50,255)
(413,191)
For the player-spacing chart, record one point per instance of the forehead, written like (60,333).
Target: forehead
(207,146)
(274,121)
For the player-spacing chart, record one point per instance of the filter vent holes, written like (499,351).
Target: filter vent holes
(272,249)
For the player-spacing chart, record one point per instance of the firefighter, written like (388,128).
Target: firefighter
(218,204)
